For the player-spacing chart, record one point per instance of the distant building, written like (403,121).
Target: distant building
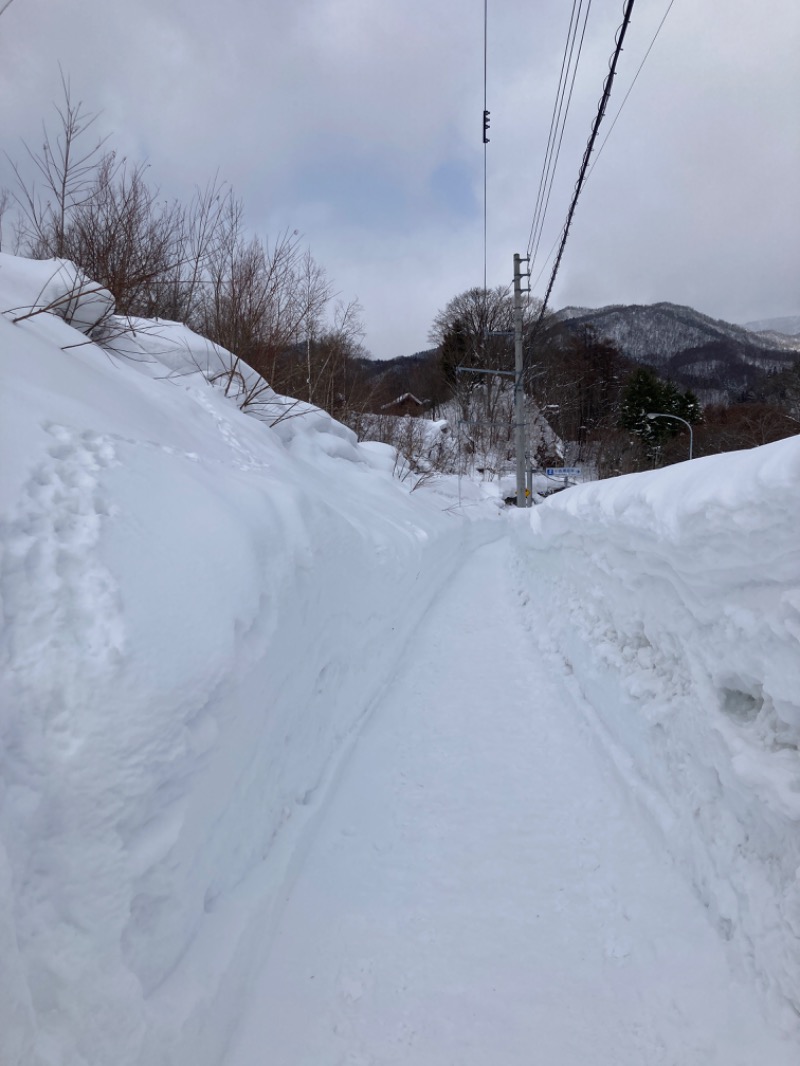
(407,404)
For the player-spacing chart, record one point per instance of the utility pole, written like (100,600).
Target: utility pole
(519,392)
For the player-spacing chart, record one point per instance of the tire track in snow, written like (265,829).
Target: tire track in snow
(481,888)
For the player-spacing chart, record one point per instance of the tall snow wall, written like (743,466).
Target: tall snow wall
(198,610)
(675,604)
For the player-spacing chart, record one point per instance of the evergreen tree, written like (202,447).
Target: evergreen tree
(645,393)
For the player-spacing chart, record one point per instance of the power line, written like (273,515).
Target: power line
(601,110)
(544,264)
(549,255)
(630,89)
(485,137)
(557,128)
(558,120)
(535,250)
(553,121)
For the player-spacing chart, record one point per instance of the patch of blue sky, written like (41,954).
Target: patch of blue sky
(453,190)
(356,191)
(362,191)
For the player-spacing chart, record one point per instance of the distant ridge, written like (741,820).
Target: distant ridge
(788,326)
(717,359)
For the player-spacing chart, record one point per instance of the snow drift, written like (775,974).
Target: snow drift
(674,599)
(197,608)
(30,287)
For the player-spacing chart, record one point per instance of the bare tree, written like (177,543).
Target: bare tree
(337,380)
(5,201)
(266,302)
(67,172)
(178,291)
(124,237)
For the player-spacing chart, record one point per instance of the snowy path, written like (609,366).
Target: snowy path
(480,890)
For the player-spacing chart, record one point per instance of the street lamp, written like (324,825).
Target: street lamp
(677,418)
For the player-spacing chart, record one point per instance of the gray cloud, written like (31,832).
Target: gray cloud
(358,123)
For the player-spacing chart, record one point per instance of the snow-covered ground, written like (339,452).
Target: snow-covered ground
(482,887)
(673,599)
(197,612)
(221,689)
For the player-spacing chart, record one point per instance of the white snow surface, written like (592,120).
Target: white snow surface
(197,610)
(673,600)
(226,698)
(482,887)
(57,286)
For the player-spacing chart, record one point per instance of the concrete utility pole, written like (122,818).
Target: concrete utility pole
(523,499)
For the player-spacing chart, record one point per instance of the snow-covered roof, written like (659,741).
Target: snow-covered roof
(407,397)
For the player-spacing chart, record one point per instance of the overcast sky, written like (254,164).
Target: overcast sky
(358,123)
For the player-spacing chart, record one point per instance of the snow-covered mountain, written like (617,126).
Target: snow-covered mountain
(787,326)
(655,333)
(708,354)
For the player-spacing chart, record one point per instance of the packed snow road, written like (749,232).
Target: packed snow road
(202,610)
(480,888)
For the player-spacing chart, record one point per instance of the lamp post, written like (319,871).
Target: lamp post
(677,418)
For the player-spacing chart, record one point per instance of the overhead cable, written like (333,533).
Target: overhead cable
(601,110)
(535,250)
(630,89)
(554,119)
(558,120)
(485,137)
(549,255)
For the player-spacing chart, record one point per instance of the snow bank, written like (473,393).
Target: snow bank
(675,599)
(29,286)
(198,609)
